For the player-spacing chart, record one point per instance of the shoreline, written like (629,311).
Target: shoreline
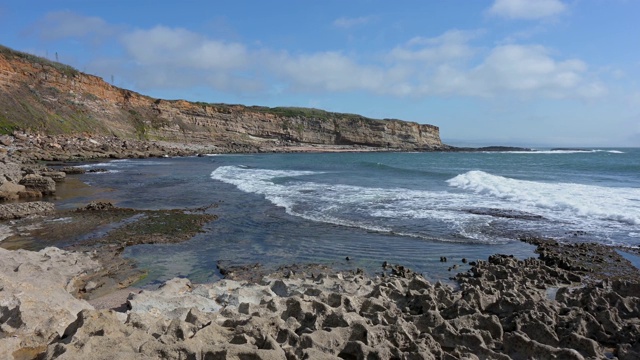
(574,301)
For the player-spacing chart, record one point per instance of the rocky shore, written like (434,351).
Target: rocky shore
(502,308)
(576,301)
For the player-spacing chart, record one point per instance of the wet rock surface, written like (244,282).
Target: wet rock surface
(592,262)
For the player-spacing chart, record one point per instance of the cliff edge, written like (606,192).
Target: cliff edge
(47,97)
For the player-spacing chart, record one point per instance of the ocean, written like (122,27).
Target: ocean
(404,208)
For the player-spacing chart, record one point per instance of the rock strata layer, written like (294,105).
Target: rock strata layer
(52,98)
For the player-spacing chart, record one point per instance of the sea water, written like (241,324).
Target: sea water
(406,208)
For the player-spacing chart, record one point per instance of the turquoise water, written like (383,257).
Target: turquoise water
(408,208)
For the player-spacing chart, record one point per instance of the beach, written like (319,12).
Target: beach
(553,299)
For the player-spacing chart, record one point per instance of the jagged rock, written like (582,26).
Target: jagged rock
(97,206)
(501,311)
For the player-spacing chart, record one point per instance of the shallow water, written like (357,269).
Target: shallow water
(407,208)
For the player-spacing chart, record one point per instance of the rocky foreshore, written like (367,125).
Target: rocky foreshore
(502,308)
(577,301)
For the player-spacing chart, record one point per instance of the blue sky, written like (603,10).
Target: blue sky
(505,72)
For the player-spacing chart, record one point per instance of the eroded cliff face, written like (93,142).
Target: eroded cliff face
(49,97)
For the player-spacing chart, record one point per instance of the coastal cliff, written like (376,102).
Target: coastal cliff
(47,97)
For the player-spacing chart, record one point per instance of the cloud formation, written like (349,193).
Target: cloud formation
(450,46)
(527,9)
(65,24)
(448,64)
(181,48)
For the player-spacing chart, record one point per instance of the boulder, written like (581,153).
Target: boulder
(10,171)
(44,184)
(10,191)
(11,187)
(6,140)
(57,176)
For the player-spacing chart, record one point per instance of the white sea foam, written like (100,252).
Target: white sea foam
(372,209)
(124,163)
(111,171)
(558,151)
(401,211)
(97,165)
(560,201)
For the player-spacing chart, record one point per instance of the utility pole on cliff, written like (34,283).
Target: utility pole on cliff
(57,56)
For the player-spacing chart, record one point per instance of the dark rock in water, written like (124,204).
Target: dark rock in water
(227,270)
(98,206)
(347,258)
(400,271)
(505,213)
(570,149)
(464,260)
(100,170)
(385,265)
(503,148)
(488,149)
(72,170)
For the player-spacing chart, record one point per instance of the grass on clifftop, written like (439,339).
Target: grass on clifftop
(286,111)
(63,68)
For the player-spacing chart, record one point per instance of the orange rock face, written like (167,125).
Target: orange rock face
(51,98)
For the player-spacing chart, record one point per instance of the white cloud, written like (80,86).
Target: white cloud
(181,48)
(451,45)
(346,23)
(174,57)
(527,70)
(331,71)
(65,24)
(420,67)
(527,9)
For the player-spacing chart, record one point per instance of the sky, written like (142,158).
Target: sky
(559,73)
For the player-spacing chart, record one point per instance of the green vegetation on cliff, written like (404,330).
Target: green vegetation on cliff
(63,68)
(47,97)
